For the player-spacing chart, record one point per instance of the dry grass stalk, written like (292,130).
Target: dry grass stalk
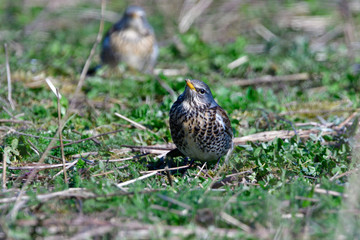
(14,121)
(60,137)
(264,32)
(5,158)
(120,185)
(135,124)
(170,72)
(13,131)
(316,112)
(166,87)
(168,175)
(71,192)
(283,134)
(188,19)
(238,62)
(329,192)
(130,229)
(123,159)
(233,221)
(86,139)
(38,166)
(165,169)
(8,73)
(69,165)
(200,170)
(93,232)
(344,174)
(268,79)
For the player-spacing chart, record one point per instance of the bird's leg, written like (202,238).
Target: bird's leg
(170,156)
(190,165)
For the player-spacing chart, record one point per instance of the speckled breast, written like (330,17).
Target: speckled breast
(133,49)
(200,135)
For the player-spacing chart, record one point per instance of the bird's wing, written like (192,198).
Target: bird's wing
(224,119)
(153,57)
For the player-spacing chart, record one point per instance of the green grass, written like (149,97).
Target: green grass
(276,197)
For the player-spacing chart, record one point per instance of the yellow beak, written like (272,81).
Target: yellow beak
(190,85)
(135,15)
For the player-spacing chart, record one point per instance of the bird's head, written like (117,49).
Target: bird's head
(135,18)
(198,93)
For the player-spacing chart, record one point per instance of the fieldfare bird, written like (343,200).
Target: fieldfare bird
(131,40)
(199,127)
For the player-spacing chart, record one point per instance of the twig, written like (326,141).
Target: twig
(122,159)
(268,79)
(16,207)
(38,166)
(33,147)
(166,147)
(166,87)
(5,158)
(69,165)
(93,232)
(164,169)
(132,229)
(324,39)
(347,120)
(264,32)
(8,73)
(283,134)
(87,154)
(239,173)
(60,137)
(112,171)
(187,20)
(200,170)
(238,62)
(120,185)
(14,121)
(72,192)
(205,173)
(94,140)
(329,192)
(167,209)
(80,192)
(104,173)
(170,72)
(344,174)
(34,136)
(316,112)
(174,201)
(168,174)
(89,138)
(135,124)
(233,221)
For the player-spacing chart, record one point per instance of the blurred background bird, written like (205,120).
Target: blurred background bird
(132,41)
(199,127)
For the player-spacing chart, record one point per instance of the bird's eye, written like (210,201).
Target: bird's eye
(202,91)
